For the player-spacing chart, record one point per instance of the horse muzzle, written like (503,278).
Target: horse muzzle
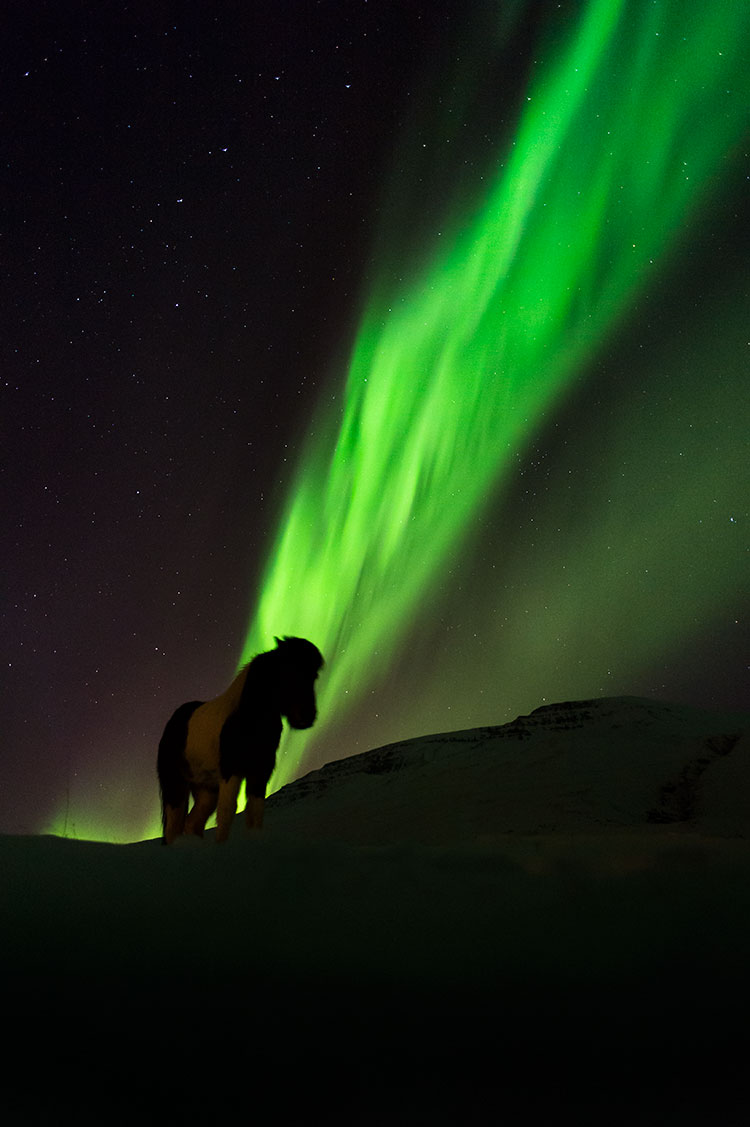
(301,720)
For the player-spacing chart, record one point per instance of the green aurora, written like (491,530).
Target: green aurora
(451,511)
(626,133)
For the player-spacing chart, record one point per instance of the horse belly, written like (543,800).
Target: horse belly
(202,746)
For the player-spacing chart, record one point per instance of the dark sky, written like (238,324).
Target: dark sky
(190,204)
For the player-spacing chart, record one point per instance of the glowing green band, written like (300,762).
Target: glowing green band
(620,141)
(627,129)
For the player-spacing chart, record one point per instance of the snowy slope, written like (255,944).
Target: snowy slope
(573,767)
(548,917)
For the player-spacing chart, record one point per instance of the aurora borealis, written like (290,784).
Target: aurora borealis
(503,462)
(451,378)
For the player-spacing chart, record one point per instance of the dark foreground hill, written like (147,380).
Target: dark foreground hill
(547,918)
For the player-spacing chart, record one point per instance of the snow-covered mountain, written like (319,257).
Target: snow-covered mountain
(582,766)
(549,917)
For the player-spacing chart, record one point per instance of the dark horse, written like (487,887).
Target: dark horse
(208,748)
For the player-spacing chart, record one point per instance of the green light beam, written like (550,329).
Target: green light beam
(620,144)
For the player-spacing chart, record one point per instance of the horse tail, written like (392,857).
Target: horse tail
(171,765)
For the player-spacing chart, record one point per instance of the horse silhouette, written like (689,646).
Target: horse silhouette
(209,747)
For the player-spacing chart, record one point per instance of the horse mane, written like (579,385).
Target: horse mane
(300,652)
(261,674)
(297,652)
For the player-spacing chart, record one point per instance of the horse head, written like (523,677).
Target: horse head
(298,663)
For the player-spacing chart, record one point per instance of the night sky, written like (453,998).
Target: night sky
(197,202)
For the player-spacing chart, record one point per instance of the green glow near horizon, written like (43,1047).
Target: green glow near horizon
(620,143)
(627,128)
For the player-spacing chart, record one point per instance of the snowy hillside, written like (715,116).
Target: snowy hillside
(567,768)
(543,918)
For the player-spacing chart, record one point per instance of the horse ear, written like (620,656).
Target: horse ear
(277,640)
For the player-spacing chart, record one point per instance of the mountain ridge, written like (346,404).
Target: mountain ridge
(574,766)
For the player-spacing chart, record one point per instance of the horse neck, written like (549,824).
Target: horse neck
(259,689)
(232,696)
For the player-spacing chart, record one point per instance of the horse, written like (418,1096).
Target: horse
(209,747)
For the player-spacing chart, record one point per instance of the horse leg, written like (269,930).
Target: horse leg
(204,804)
(254,811)
(228,791)
(174,820)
